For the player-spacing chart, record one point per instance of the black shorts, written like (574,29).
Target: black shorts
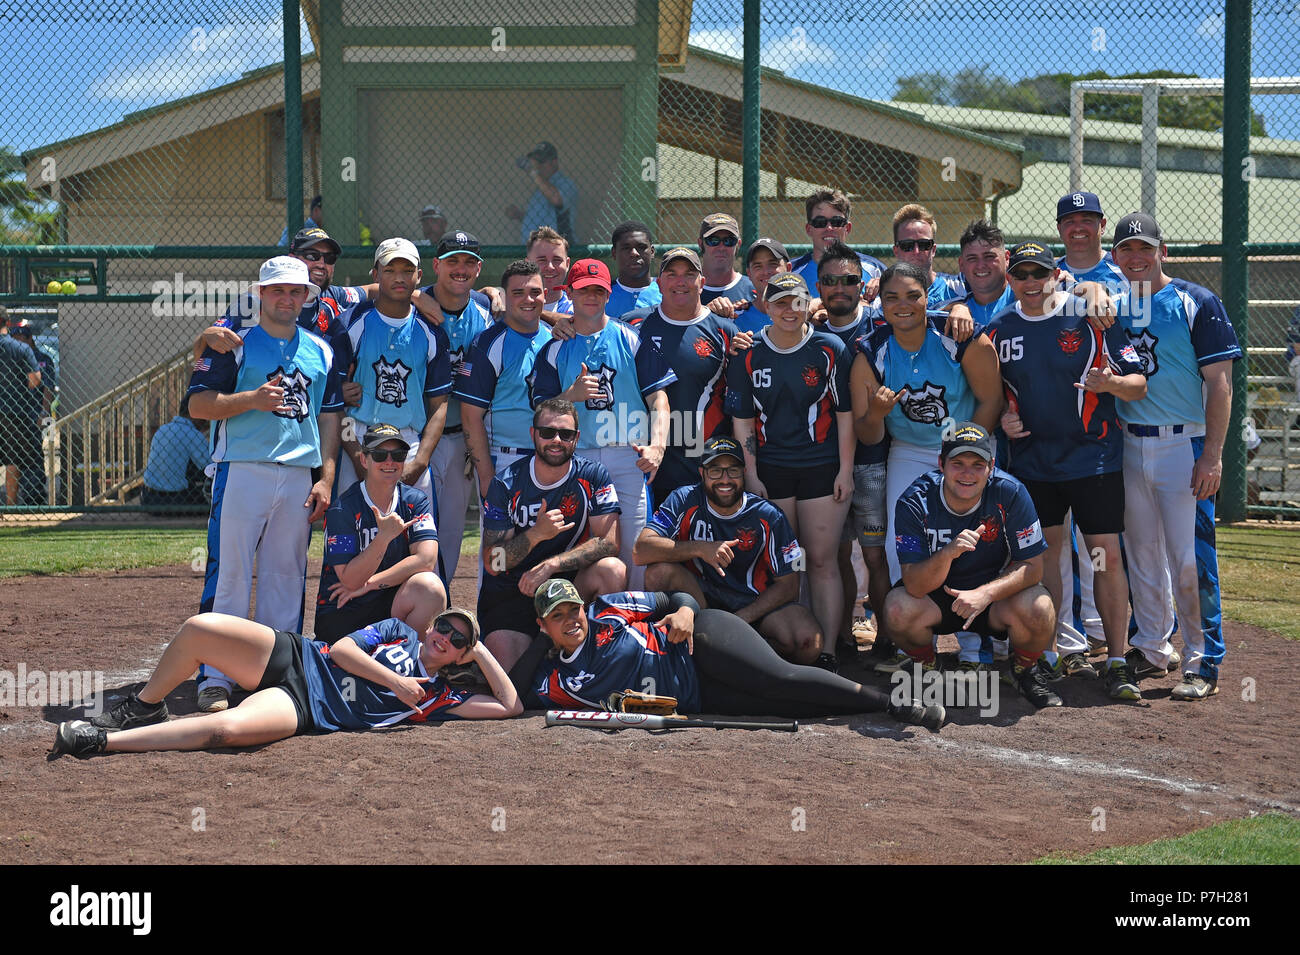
(954,623)
(285,671)
(334,624)
(802,484)
(1097,502)
(506,610)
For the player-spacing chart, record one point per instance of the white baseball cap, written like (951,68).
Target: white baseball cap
(391,249)
(286,270)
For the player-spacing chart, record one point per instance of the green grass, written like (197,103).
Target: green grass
(68,550)
(1272,839)
(1258,568)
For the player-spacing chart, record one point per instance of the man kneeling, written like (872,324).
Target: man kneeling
(383,674)
(970,550)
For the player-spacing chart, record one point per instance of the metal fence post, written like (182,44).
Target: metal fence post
(292,118)
(753,126)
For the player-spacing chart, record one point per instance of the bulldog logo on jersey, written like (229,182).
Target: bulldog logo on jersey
(390,381)
(926,406)
(746,538)
(296,400)
(1145,347)
(605,378)
(702,347)
(1069,339)
(811,376)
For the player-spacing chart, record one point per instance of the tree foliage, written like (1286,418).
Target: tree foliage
(1049,94)
(25,217)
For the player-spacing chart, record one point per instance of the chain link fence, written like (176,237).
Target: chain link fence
(144,153)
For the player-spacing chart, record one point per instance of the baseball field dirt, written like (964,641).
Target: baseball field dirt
(1003,789)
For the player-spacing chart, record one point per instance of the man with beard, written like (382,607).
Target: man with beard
(733,551)
(546,515)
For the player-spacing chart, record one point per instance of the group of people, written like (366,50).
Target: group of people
(28,388)
(680,456)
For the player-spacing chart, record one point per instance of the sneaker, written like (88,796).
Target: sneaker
(213,699)
(1032,681)
(827,661)
(968,671)
(79,738)
(1140,666)
(1120,682)
(882,648)
(1194,687)
(1096,644)
(915,714)
(1051,673)
(894,663)
(131,712)
(1076,664)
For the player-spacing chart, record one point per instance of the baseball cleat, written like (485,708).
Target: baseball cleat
(1076,664)
(1194,687)
(1032,681)
(131,712)
(1120,682)
(213,699)
(1096,644)
(915,714)
(1140,666)
(79,738)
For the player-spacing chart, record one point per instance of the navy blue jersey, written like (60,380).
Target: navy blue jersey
(1072,433)
(515,498)
(765,547)
(340,700)
(624,650)
(623,299)
(924,525)
(461,328)
(793,395)
(932,381)
(697,351)
(741,290)
(1176,332)
(350,527)
(628,369)
(497,377)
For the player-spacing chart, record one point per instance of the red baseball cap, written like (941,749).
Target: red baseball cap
(586,272)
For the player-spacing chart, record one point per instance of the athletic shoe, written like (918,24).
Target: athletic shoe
(131,712)
(1120,682)
(1032,681)
(213,699)
(1096,643)
(915,714)
(827,661)
(895,663)
(968,671)
(1051,673)
(79,738)
(1076,664)
(882,648)
(1194,687)
(1140,666)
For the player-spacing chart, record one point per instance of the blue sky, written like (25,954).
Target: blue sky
(85,75)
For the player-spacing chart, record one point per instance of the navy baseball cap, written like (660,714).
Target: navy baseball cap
(1031,252)
(721,447)
(1140,226)
(772,245)
(306,238)
(1078,202)
(969,437)
(542,152)
(457,242)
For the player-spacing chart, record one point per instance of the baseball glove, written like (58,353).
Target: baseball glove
(633,701)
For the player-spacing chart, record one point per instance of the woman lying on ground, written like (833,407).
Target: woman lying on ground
(381,675)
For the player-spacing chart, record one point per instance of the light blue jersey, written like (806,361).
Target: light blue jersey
(1105,272)
(983,314)
(399,363)
(497,378)
(309,374)
(623,299)
(461,329)
(933,383)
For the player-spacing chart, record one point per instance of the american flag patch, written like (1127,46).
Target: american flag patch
(1027,536)
(203,364)
(464,369)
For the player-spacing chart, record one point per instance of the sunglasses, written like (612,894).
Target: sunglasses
(455,637)
(548,434)
(329,258)
(1026,275)
(714,474)
(835,222)
(716,240)
(830,281)
(912,245)
(379,457)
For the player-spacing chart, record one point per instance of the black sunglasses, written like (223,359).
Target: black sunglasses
(1025,275)
(911,245)
(715,240)
(381,456)
(835,222)
(456,638)
(329,258)
(830,281)
(548,434)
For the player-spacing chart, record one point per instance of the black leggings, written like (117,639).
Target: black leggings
(740,675)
